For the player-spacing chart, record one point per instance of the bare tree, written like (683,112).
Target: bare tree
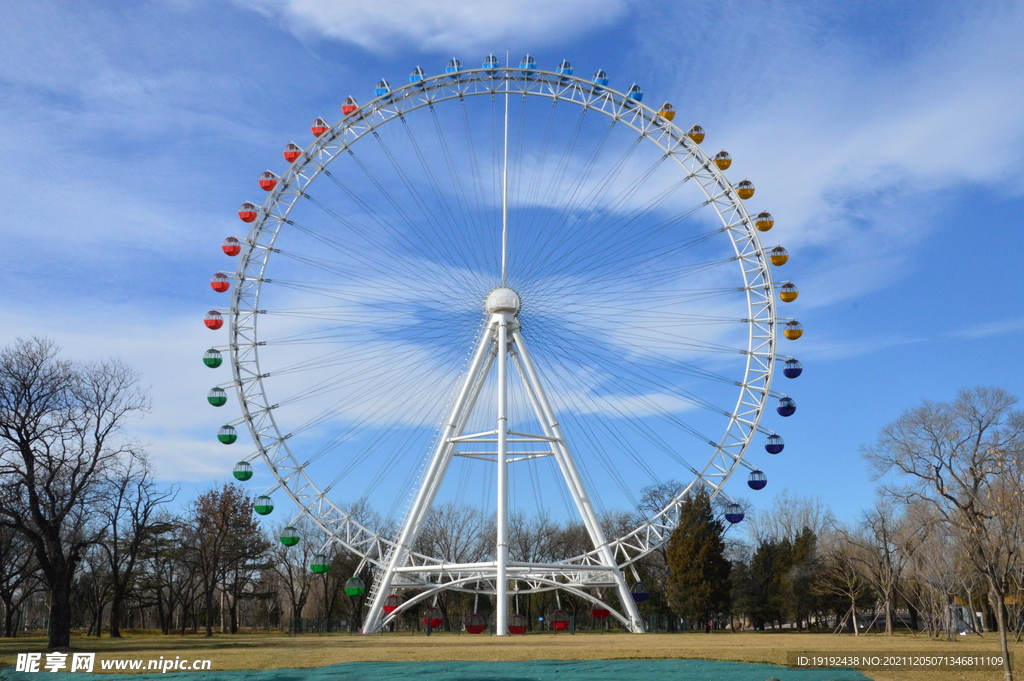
(222,534)
(878,551)
(60,428)
(462,534)
(966,459)
(932,567)
(130,503)
(291,563)
(840,576)
(18,575)
(787,518)
(93,588)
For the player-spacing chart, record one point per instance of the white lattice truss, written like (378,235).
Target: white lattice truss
(600,567)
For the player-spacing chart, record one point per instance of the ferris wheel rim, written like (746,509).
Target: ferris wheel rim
(257,409)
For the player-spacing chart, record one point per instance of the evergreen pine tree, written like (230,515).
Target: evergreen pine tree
(698,581)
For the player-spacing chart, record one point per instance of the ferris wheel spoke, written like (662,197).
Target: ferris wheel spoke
(537,178)
(434,249)
(583,434)
(441,201)
(561,168)
(379,260)
(350,379)
(633,389)
(640,243)
(576,196)
(439,276)
(377,216)
(556,240)
(651,380)
(466,211)
(614,431)
(453,245)
(584,335)
(387,264)
(490,247)
(569,292)
(638,261)
(690,344)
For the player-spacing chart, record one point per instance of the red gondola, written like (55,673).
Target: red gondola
(231,246)
(248,212)
(319,127)
(268,181)
(559,620)
(391,604)
(220,282)
(599,612)
(517,625)
(291,152)
(432,618)
(475,624)
(214,320)
(349,105)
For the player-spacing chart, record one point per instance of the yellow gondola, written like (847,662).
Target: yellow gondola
(789,292)
(779,256)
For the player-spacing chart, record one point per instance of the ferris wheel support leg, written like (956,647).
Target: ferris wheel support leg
(563,456)
(502,513)
(432,479)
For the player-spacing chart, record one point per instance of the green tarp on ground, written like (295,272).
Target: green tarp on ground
(536,670)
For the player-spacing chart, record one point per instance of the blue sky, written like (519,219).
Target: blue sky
(886,139)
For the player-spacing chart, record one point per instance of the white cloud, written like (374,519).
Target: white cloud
(454,25)
(855,143)
(988,329)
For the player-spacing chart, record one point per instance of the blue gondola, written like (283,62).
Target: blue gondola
(564,69)
(793,369)
(635,92)
(600,80)
(383,89)
(528,64)
(454,66)
(491,64)
(639,592)
(417,76)
(733,513)
(774,444)
(787,407)
(757,480)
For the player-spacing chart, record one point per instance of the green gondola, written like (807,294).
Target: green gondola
(227,435)
(354,588)
(289,536)
(320,564)
(243,471)
(264,505)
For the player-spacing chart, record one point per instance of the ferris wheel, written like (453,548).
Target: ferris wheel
(509,289)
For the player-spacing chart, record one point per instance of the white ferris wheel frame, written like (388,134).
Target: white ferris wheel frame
(432,573)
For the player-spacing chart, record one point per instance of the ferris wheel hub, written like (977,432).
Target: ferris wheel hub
(502,299)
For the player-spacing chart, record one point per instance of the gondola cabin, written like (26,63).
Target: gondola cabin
(214,320)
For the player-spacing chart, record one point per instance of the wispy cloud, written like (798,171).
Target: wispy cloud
(988,329)
(388,25)
(856,139)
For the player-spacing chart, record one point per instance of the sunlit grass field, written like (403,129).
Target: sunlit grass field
(270,651)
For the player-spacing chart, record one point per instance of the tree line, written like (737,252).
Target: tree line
(87,533)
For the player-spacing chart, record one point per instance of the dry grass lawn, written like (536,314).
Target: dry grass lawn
(270,651)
